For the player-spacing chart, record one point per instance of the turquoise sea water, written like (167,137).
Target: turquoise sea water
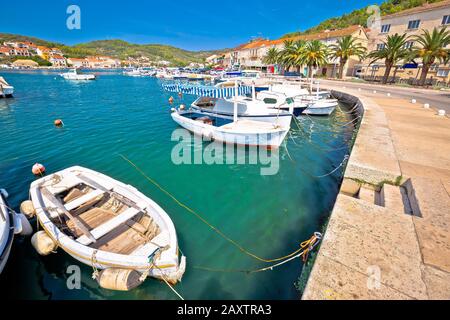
(269,215)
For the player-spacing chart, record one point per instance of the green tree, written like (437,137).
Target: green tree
(431,48)
(286,54)
(314,55)
(393,52)
(345,48)
(272,56)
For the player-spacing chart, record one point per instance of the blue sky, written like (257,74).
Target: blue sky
(192,25)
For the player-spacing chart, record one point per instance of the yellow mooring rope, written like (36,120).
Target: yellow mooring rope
(242,249)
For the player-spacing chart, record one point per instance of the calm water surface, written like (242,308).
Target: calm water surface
(269,215)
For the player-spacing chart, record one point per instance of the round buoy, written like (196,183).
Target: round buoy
(182,107)
(58,123)
(374,91)
(119,279)
(42,243)
(388,94)
(27,208)
(426,106)
(171,100)
(173,109)
(38,169)
(180,95)
(441,112)
(413,100)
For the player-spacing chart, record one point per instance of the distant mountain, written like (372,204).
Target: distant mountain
(119,49)
(360,16)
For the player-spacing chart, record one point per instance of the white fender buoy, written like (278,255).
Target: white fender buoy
(119,279)
(26,228)
(374,91)
(173,109)
(388,94)
(182,107)
(426,106)
(27,208)
(413,100)
(441,112)
(42,243)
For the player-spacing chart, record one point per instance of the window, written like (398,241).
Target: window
(446,20)
(270,101)
(380,46)
(442,73)
(408,44)
(385,28)
(413,24)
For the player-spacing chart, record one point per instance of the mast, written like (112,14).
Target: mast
(235,109)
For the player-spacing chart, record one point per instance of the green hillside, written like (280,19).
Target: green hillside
(359,17)
(119,49)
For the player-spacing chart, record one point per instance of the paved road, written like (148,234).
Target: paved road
(436,99)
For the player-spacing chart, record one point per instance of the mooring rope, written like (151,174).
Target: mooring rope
(307,247)
(215,229)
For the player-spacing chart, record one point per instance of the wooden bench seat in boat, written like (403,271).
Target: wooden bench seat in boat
(83,199)
(111,224)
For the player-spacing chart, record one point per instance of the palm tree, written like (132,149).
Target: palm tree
(314,54)
(431,48)
(272,56)
(286,54)
(393,51)
(345,48)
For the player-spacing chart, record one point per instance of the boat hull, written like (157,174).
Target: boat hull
(7,232)
(321,108)
(8,91)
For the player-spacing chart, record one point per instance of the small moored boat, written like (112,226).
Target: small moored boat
(5,88)
(108,225)
(74,74)
(11,224)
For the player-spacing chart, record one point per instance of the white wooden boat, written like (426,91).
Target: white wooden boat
(318,102)
(240,131)
(74,74)
(5,88)
(11,224)
(107,224)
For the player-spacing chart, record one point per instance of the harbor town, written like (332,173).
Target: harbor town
(313,165)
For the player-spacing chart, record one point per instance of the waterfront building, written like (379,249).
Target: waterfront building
(6,51)
(78,63)
(58,61)
(251,55)
(43,52)
(412,22)
(100,62)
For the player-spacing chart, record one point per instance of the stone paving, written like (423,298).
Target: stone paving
(375,252)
